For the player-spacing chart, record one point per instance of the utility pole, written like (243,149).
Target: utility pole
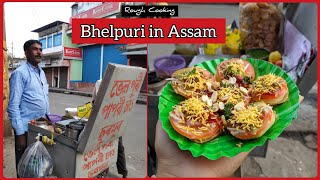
(10,55)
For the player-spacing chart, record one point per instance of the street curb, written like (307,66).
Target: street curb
(67,91)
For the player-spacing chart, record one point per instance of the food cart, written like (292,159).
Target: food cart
(85,148)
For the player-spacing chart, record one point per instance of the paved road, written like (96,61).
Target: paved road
(294,153)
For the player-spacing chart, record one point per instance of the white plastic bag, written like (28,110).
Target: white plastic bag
(35,162)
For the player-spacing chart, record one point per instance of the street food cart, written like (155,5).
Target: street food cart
(85,148)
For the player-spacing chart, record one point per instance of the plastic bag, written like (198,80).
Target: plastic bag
(260,25)
(35,162)
(232,45)
(211,48)
(85,110)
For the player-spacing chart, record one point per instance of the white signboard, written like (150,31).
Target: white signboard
(116,98)
(91,164)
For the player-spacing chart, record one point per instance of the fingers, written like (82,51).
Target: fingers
(165,147)
(236,160)
(226,167)
(161,136)
(161,139)
(300,98)
(173,161)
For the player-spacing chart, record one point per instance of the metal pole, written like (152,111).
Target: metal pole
(101,61)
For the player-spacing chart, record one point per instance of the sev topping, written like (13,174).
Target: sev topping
(234,68)
(187,128)
(269,83)
(194,81)
(195,111)
(230,95)
(190,114)
(247,119)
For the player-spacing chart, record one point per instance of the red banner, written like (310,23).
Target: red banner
(74,53)
(103,10)
(149,30)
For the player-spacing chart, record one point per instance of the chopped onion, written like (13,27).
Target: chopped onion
(235,131)
(171,79)
(175,117)
(246,67)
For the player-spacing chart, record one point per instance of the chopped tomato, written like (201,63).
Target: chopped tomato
(268,96)
(213,130)
(268,118)
(248,72)
(180,89)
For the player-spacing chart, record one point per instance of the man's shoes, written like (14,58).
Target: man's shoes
(124,176)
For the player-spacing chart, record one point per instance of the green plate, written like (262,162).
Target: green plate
(225,145)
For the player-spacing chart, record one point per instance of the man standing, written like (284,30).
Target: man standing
(28,95)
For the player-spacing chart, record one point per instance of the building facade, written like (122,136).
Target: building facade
(62,60)
(96,56)
(79,66)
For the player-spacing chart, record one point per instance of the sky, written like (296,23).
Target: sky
(23,17)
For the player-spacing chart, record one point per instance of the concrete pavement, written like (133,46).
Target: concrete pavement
(294,153)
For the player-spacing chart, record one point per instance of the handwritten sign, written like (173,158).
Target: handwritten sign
(94,162)
(109,131)
(115,101)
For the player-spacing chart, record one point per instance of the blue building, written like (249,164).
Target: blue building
(96,59)
(96,56)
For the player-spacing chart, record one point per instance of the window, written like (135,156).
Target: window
(43,42)
(49,43)
(57,39)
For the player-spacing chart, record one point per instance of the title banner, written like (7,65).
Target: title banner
(149,11)
(148,30)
